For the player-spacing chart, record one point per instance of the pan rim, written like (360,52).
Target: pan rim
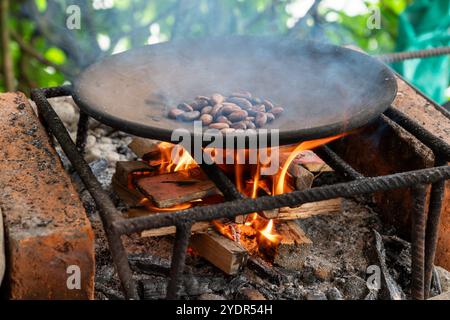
(354,121)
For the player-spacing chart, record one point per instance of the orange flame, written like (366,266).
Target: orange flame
(280,181)
(174,158)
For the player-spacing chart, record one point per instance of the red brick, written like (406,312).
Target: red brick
(46,227)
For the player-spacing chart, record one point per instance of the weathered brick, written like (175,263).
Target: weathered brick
(381,149)
(46,227)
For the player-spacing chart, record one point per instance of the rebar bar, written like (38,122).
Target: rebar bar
(418,242)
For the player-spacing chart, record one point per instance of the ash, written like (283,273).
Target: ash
(343,244)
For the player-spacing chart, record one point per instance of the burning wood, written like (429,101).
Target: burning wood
(168,190)
(145,148)
(293,248)
(229,256)
(197,227)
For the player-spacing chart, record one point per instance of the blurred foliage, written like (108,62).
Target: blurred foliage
(46,53)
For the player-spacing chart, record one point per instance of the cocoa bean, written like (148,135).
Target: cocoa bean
(217,98)
(239,125)
(255,101)
(261,119)
(270,117)
(185,107)
(238,116)
(260,108)
(229,108)
(252,111)
(222,119)
(277,111)
(250,125)
(215,110)
(190,116)
(268,104)
(199,104)
(219,125)
(250,119)
(206,119)
(175,113)
(206,110)
(241,102)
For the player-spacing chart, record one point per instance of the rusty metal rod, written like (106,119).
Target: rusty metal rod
(82,132)
(244,206)
(418,54)
(418,243)
(178,259)
(432,228)
(437,145)
(106,207)
(337,163)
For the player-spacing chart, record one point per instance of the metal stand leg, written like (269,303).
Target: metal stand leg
(83,124)
(178,259)
(418,243)
(434,214)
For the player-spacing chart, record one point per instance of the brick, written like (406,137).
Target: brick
(382,149)
(46,227)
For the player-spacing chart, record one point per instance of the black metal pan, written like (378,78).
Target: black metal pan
(324,89)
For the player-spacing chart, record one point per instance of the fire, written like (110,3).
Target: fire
(269,232)
(280,181)
(174,158)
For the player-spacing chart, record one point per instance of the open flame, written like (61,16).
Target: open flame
(257,234)
(174,158)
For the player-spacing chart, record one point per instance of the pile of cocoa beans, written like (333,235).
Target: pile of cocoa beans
(237,112)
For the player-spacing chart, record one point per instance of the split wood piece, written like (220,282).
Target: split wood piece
(312,162)
(125,168)
(120,181)
(293,247)
(168,190)
(308,210)
(132,198)
(197,227)
(225,254)
(145,149)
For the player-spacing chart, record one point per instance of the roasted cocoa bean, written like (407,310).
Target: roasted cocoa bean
(207,119)
(190,116)
(238,116)
(222,119)
(277,111)
(206,110)
(260,108)
(199,104)
(252,111)
(215,110)
(255,101)
(229,108)
(241,102)
(270,117)
(217,98)
(185,107)
(219,126)
(268,104)
(175,113)
(261,119)
(239,125)
(250,125)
